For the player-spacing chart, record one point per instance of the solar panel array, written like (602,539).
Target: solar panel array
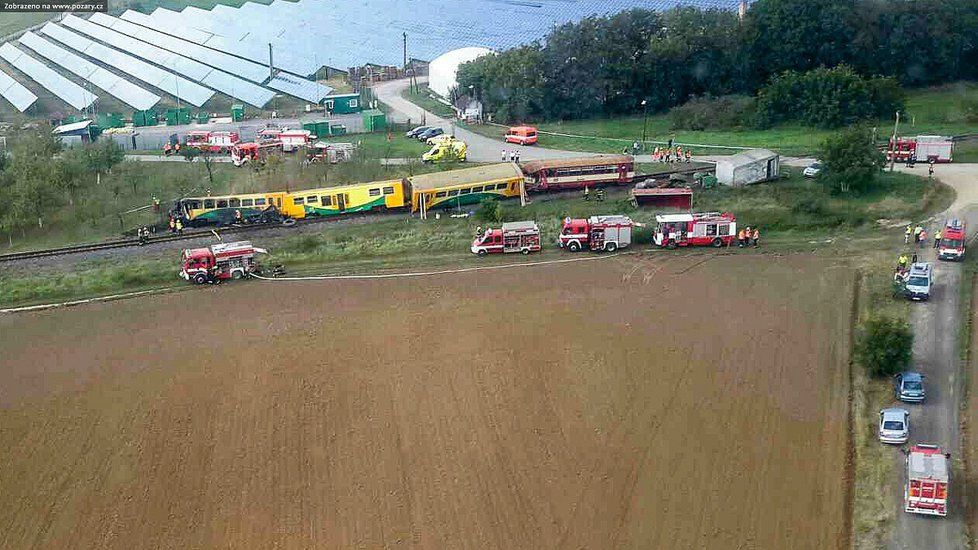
(220,60)
(15,92)
(114,85)
(299,87)
(68,91)
(231,85)
(175,85)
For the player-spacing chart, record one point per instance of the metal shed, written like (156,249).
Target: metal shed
(753,166)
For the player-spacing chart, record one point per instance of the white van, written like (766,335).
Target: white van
(919,280)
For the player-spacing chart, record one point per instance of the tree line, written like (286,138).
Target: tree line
(38,176)
(605,66)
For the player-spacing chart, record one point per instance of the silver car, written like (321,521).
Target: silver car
(812,170)
(894,426)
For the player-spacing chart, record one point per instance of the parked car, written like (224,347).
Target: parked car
(812,170)
(919,280)
(416,130)
(910,387)
(430,133)
(894,426)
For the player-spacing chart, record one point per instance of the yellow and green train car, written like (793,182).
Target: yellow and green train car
(360,197)
(456,188)
(222,210)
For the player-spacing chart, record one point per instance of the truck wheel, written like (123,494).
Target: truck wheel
(200,278)
(525,251)
(237,275)
(671,244)
(481,253)
(611,247)
(573,246)
(717,242)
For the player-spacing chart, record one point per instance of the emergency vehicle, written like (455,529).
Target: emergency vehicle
(952,241)
(522,237)
(921,148)
(701,229)
(292,140)
(330,152)
(596,233)
(242,153)
(446,151)
(212,142)
(219,262)
(927,479)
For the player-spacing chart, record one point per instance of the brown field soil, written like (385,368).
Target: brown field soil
(634,402)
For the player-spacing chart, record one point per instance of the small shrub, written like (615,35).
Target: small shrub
(809,205)
(713,113)
(489,211)
(884,346)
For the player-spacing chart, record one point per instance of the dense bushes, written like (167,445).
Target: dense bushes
(714,113)
(609,65)
(850,161)
(884,346)
(826,98)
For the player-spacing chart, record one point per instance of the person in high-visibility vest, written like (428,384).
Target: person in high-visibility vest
(755,237)
(937,239)
(179,225)
(741,239)
(906,235)
(903,261)
(587,193)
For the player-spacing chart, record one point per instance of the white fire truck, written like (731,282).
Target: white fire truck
(596,233)
(219,262)
(523,237)
(927,479)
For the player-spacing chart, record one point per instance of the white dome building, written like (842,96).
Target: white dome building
(442,69)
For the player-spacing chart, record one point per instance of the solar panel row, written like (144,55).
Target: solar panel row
(14,92)
(114,85)
(299,87)
(66,90)
(231,85)
(175,85)
(220,60)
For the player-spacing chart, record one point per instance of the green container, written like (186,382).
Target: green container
(176,117)
(144,118)
(337,130)
(203,117)
(110,120)
(374,120)
(237,112)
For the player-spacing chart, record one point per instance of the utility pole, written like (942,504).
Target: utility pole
(645,123)
(271,71)
(893,143)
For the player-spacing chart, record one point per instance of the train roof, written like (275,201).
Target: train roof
(327,190)
(465,176)
(534,166)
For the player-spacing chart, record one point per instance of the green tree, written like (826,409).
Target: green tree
(884,346)
(850,160)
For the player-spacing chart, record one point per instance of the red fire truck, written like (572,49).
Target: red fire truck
(921,148)
(294,139)
(523,237)
(702,229)
(243,153)
(596,233)
(927,479)
(212,142)
(953,239)
(219,262)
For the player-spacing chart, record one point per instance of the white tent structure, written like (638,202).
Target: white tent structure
(751,166)
(442,69)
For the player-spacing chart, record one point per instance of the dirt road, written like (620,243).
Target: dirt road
(936,326)
(675,402)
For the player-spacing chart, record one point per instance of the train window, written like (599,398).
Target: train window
(234,203)
(222,203)
(477,189)
(279,201)
(260,202)
(389,190)
(464,191)
(439,194)
(512,187)
(194,205)
(310,200)
(453,193)
(327,200)
(375,192)
(247,202)
(296,200)
(208,203)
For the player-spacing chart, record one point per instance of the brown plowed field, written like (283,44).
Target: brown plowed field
(639,403)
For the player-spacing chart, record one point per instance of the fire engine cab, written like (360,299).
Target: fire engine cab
(212,142)
(702,229)
(523,237)
(952,241)
(596,233)
(243,153)
(219,262)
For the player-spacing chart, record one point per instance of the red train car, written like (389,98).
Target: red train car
(578,173)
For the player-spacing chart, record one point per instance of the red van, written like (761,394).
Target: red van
(524,135)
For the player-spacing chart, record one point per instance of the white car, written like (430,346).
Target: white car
(894,426)
(812,170)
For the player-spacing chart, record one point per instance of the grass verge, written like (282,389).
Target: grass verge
(426,99)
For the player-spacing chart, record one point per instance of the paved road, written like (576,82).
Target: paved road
(935,354)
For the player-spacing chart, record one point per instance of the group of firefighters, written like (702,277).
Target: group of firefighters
(748,237)
(511,156)
(919,235)
(176,225)
(668,154)
(171,150)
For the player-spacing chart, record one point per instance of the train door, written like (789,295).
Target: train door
(341,202)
